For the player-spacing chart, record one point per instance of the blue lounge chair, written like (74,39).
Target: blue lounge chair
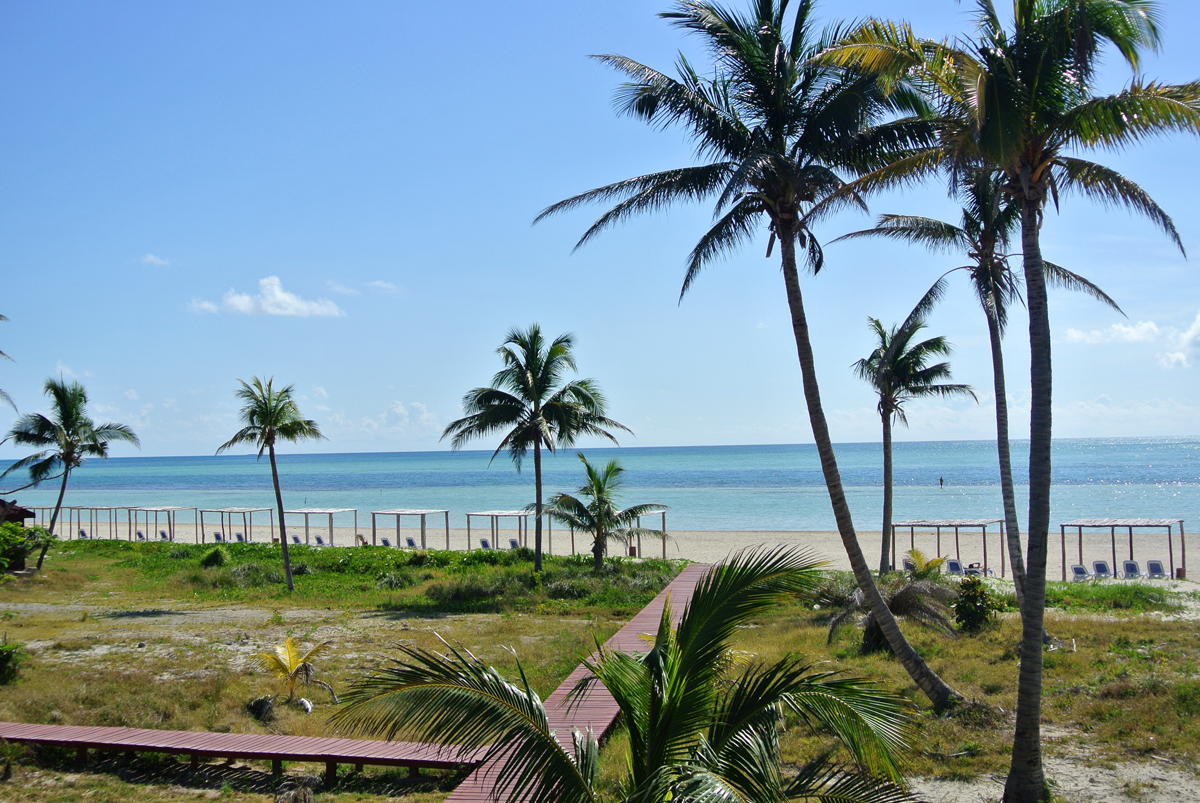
(1101,570)
(484,543)
(513,544)
(1080,574)
(412,542)
(909,565)
(1156,570)
(385,542)
(218,539)
(296,540)
(321,541)
(162,536)
(954,567)
(240,538)
(1130,568)
(141,536)
(83,536)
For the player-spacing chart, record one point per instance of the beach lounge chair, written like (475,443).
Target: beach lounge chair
(411,542)
(218,539)
(1155,570)
(296,540)
(1130,568)
(241,540)
(162,536)
(513,544)
(484,543)
(954,567)
(1101,570)
(83,536)
(321,541)
(1080,574)
(385,542)
(141,536)
(909,565)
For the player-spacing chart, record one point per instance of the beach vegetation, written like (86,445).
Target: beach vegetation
(292,666)
(976,606)
(923,568)
(595,511)
(779,132)
(17,542)
(899,370)
(1016,101)
(11,658)
(65,440)
(217,556)
(268,416)
(530,401)
(925,602)
(686,737)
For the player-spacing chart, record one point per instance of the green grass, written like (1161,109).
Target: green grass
(1102,596)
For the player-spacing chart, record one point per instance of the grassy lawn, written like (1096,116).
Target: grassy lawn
(144,635)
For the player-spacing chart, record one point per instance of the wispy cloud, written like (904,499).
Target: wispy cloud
(64,370)
(131,394)
(153,261)
(338,287)
(385,286)
(397,419)
(271,299)
(1180,344)
(320,392)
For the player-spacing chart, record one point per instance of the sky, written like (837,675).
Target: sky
(341,196)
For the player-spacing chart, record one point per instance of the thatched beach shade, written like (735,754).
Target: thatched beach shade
(951,524)
(1112,525)
(407,512)
(247,514)
(323,511)
(14,513)
(171,513)
(522,517)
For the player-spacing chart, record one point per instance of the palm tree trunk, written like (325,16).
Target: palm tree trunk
(1012,528)
(537,505)
(287,558)
(598,545)
(62,491)
(885,561)
(1026,782)
(940,694)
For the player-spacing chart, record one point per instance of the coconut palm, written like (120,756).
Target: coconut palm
(1017,101)
(66,438)
(985,231)
(292,666)
(780,131)
(269,415)
(924,600)
(597,513)
(898,370)
(4,397)
(530,401)
(690,735)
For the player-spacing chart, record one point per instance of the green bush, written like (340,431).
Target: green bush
(253,575)
(217,556)
(397,580)
(975,606)
(11,656)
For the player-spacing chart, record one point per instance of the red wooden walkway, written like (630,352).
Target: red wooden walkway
(597,710)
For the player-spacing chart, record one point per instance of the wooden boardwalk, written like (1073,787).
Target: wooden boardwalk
(597,711)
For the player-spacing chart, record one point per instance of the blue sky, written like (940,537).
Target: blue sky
(340,195)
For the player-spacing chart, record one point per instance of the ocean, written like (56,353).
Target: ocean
(773,488)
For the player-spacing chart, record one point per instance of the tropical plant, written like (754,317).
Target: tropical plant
(66,438)
(976,606)
(17,542)
(986,228)
(530,399)
(778,128)
(597,513)
(270,415)
(289,665)
(926,602)
(923,568)
(4,397)
(690,736)
(898,370)
(1017,101)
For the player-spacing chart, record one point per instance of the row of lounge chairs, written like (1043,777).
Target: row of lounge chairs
(956,568)
(1155,570)
(141,536)
(411,543)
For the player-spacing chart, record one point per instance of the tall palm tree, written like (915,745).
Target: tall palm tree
(4,397)
(898,370)
(268,416)
(530,399)
(66,438)
(984,233)
(1018,101)
(692,735)
(597,513)
(778,129)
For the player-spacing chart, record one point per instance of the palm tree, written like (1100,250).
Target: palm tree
(66,438)
(691,735)
(4,397)
(898,370)
(1016,102)
(778,127)
(292,666)
(597,514)
(270,415)
(986,228)
(539,410)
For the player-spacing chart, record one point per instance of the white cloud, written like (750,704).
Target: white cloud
(381,285)
(201,306)
(320,392)
(131,394)
(1180,345)
(337,287)
(398,419)
(157,262)
(64,370)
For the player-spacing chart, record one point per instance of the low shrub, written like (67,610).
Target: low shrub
(11,657)
(253,575)
(397,580)
(975,606)
(217,556)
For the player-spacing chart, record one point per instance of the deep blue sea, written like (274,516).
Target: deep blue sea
(706,487)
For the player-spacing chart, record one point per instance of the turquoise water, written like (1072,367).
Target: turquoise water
(707,487)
